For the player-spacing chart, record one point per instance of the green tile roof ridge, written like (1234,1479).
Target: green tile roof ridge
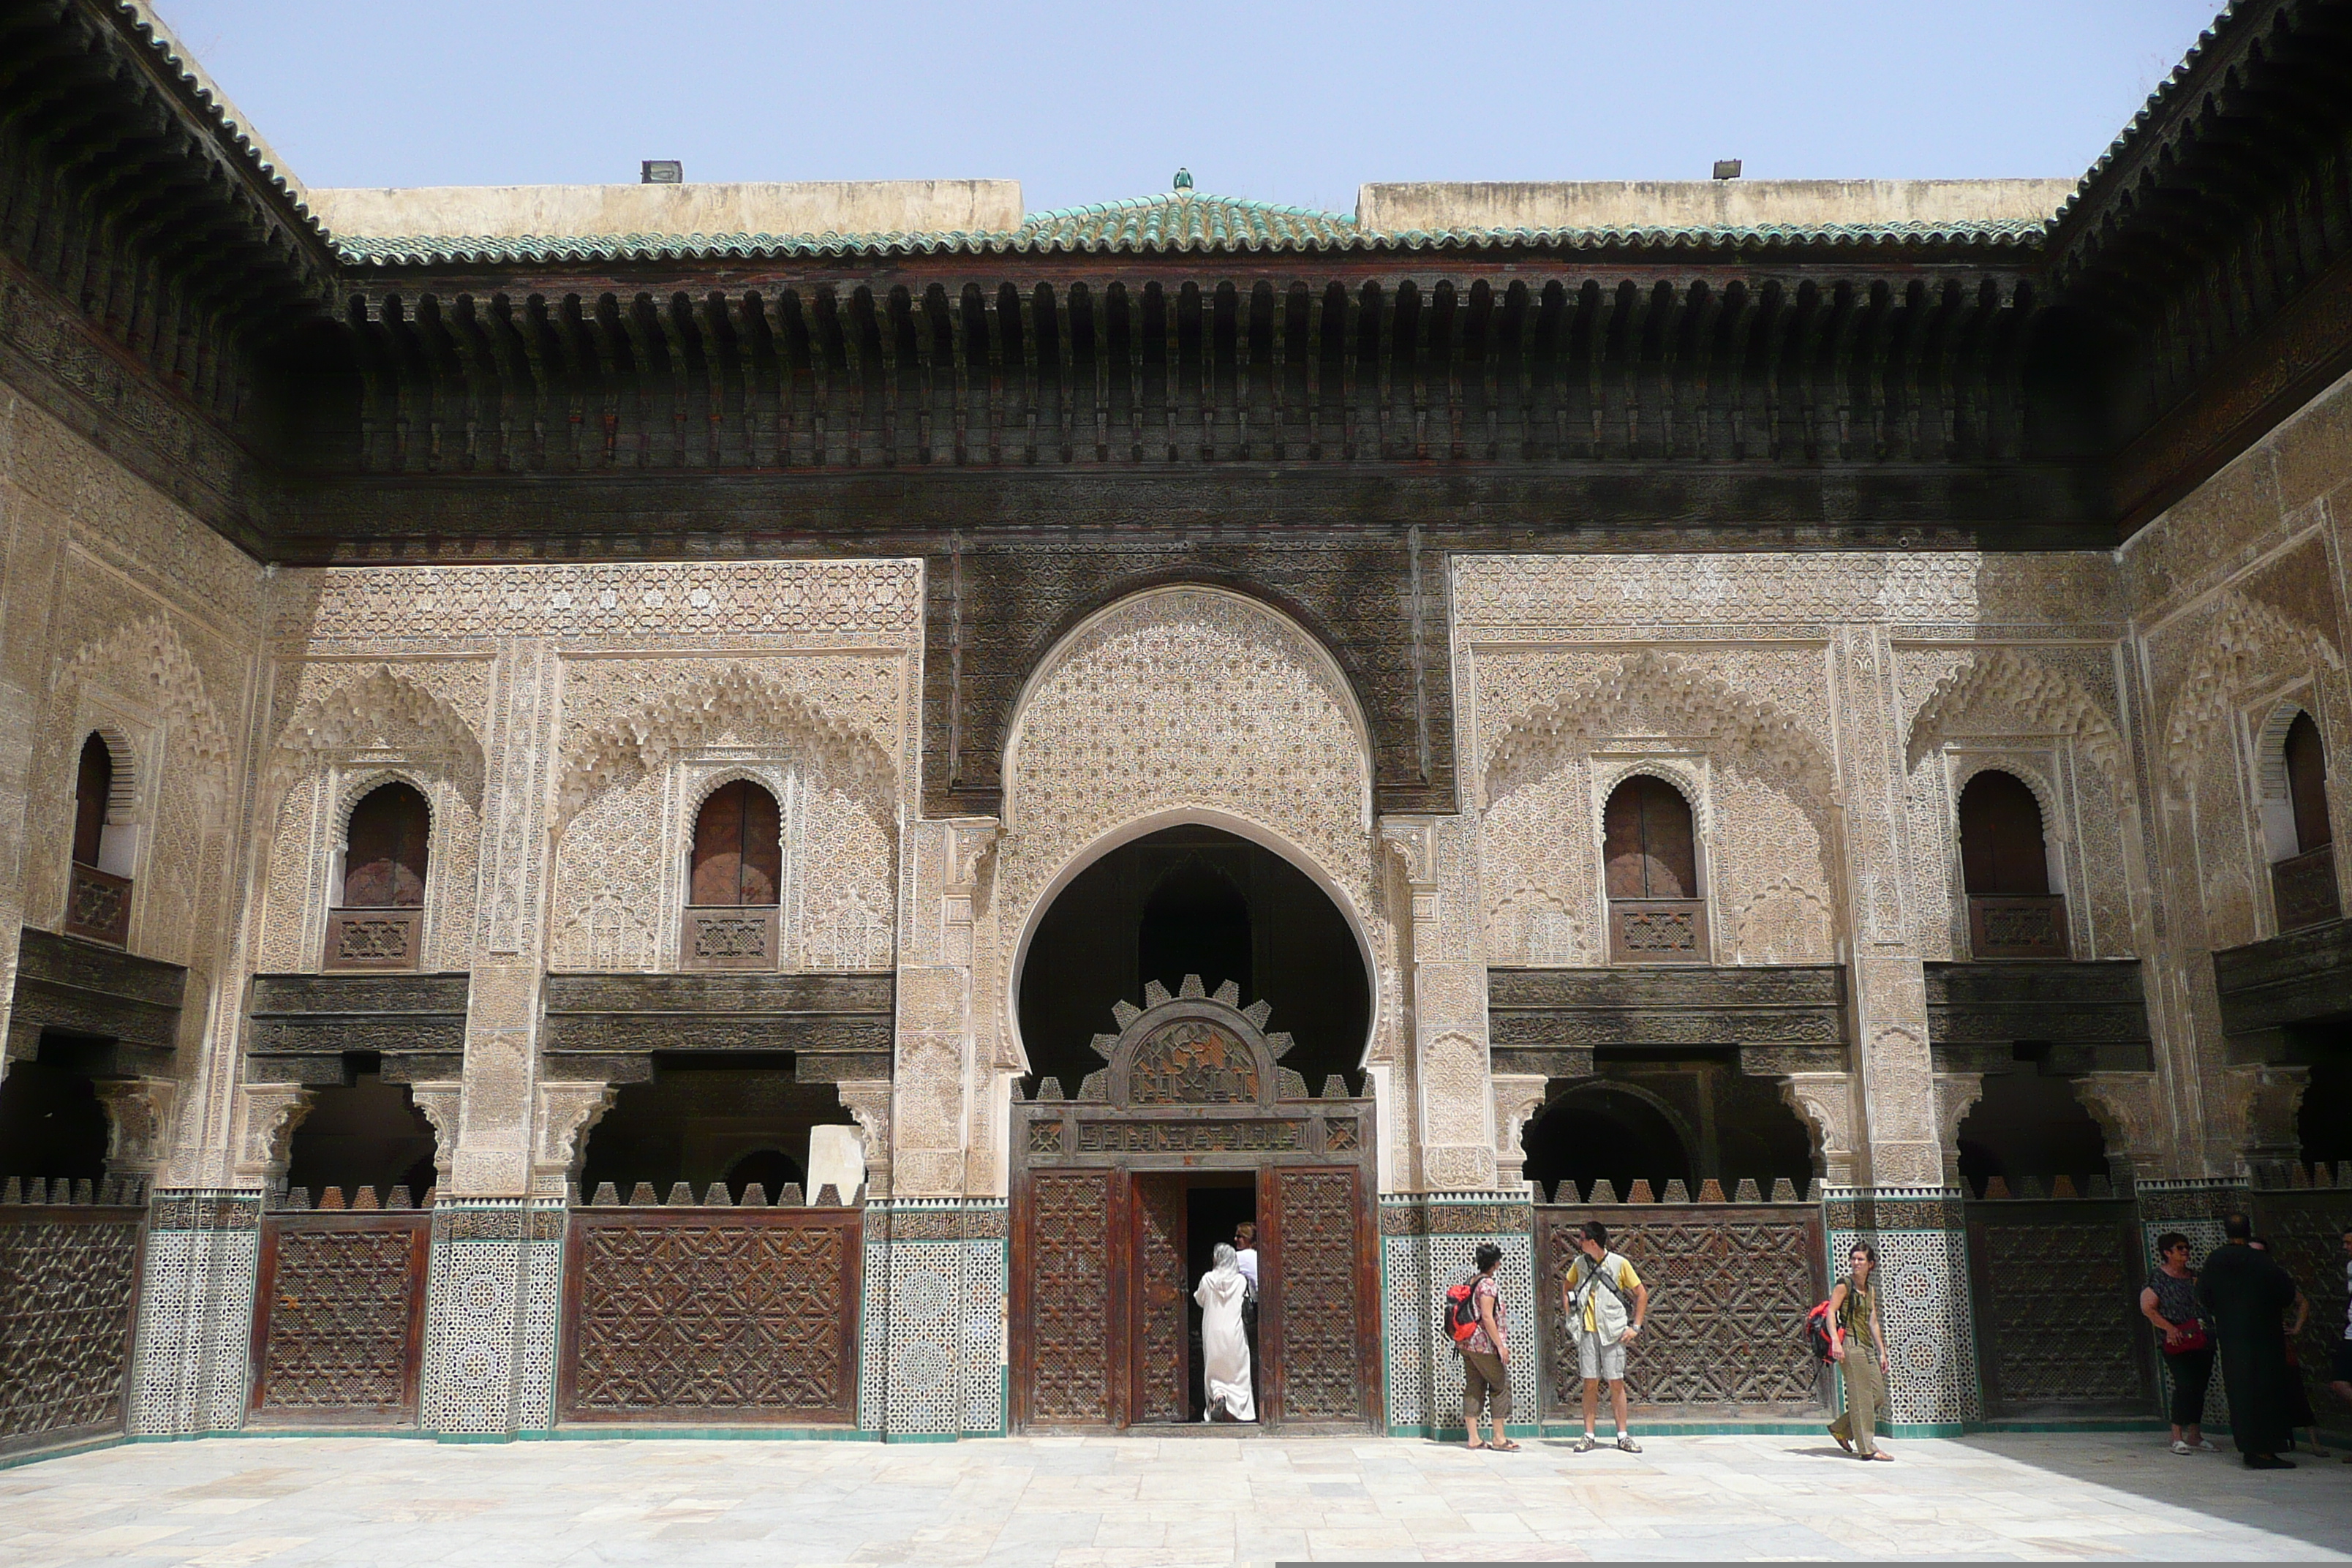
(1170,223)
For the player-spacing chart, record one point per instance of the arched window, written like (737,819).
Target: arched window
(2005,866)
(92,788)
(380,922)
(2302,885)
(97,901)
(735,871)
(383,865)
(1650,861)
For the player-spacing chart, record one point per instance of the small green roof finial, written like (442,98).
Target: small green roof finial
(1183,179)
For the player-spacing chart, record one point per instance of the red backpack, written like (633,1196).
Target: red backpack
(1459,1314)
(1817,1332)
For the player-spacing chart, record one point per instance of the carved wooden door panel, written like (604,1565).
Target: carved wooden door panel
(339,1321)
(1163,1337)
(1066,1275)
(1316,1296)
(2053,1287)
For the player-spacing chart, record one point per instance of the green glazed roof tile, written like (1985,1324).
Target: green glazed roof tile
(1175,223)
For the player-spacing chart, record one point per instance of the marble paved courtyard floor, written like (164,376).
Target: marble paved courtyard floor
(240,1502)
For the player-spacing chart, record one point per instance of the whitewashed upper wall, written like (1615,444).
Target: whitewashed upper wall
(1714,672)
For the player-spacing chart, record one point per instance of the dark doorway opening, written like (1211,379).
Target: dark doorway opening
(1656,1120)
(1194,900)
(51,1123)
(704,1119)
(363,1132)
(2029,1124)
(2323,1122)
(1213,1206)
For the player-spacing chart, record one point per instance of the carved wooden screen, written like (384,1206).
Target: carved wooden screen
(1316,1266)
(1163,1324)
(694,1314)
(71,1274)
(2056,1285)
(1064,1273)
(338,1321)
(1729,1284)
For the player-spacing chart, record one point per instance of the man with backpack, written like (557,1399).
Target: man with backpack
(1605,1303)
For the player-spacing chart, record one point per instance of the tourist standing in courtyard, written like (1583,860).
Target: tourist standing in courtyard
(1605,1303)
(1225,1352)
(2169,1300)
(1858,1344)
(1486,1356)
(2299,1413)
(2246,1292)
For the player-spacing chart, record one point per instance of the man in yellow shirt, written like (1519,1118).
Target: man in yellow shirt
(1605,1302)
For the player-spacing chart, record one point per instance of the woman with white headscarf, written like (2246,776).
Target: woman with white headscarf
(1225,1350)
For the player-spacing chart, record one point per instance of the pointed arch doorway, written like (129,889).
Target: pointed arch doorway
(1190,1122)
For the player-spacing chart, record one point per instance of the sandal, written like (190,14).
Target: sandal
(1881,1458)
(1475,1448)
(1505,1447)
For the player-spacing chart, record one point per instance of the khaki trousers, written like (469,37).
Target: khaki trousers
(1865,1395)
(1484,1378)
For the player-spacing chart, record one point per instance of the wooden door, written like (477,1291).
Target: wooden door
(1067,1274)
(1162,1333)
(1316,1318)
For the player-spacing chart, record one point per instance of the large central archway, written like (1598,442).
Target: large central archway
(1194,898)
(1160,1112)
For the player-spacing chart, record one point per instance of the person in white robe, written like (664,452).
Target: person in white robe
(1224,1349)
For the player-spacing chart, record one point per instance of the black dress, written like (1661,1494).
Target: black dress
(2244,1292)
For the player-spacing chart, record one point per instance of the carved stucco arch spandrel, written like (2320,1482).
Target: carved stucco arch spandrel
(147,663)
(752,707)
(376,708)
(2001,692)
(1667,693)
(2248,643)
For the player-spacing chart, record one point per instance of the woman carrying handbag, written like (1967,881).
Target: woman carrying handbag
(2169,1301)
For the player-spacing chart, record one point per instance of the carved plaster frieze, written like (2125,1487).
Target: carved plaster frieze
(566,1113)
(268,1114)
(868,1100)
(1824,1102)
(439,1104)
(139,1116)
(2000,692)
(1957,1094)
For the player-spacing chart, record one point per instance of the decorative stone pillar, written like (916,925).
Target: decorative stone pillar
(933,1319)
(2261,1106)
(193,1357)
(492,1293)
(1922,1298)
(1888,981)
(936,1075)
(1427,1241)
(492,1287)
(1446,1002)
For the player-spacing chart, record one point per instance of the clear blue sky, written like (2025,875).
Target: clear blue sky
(1272,98)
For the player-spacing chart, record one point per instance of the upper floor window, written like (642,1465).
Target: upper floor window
(2005,864)
(97,893)
(733,881)
(379,922)
(2303,884)
(1650,863)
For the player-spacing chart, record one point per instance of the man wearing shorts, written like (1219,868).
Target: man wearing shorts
(1605,1302)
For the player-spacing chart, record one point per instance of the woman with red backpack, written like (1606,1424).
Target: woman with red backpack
(1485,1352)
(1858,1344)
